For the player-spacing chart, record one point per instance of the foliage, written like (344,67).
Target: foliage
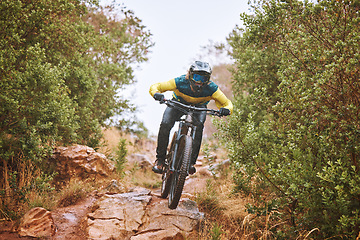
(216,232)
(121,153)
(62,64)
(209,200)
(294,133)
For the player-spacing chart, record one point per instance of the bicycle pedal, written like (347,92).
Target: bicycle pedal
(192,170)
(155,169)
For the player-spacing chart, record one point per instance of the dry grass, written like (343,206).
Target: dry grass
(226,217)
(223,210)
(112,136)
(134,175)
(72,193)
(143,178)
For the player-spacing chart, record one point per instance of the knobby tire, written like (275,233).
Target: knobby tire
(166,176)
(181,171)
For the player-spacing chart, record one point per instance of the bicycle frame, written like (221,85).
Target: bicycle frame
(178,163)
(187,124)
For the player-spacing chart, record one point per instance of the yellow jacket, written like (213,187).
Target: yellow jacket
(182,92)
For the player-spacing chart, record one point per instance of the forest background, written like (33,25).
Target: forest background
(293,139)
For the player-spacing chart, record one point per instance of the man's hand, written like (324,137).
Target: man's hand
(224,111)
(159,97)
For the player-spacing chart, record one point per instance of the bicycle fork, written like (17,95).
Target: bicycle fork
(185,128)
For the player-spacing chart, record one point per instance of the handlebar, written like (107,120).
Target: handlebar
(187,108)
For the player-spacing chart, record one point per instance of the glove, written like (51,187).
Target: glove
(224,111)
(159,97)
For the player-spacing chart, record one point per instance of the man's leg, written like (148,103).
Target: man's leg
(169,117)
(197,141)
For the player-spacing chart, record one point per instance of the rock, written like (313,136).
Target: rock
(80,162)
(118,216)
(139,215)
(114,188)
(184,219)
(204,172)
(38,222)
(218,166)
(209,158)
(160,235)
(141,160)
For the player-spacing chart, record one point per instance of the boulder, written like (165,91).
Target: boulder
(216,168)
(141,160)
(165,223)
(38,222)
(139,215)
(114,187)
(80,161)
(172,234)
(117,216)
(221,165)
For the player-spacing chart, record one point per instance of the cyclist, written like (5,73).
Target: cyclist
(196,89)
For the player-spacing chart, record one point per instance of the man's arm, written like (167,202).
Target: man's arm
(162,87)
(222,101)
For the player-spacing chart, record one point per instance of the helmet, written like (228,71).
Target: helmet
(199,75)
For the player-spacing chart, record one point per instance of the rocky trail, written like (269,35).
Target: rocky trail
(138,213)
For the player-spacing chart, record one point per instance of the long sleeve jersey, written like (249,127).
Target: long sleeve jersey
(183,93)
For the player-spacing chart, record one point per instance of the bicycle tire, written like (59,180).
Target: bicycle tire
(181,171)
(166,176)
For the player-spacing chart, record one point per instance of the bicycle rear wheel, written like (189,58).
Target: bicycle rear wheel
(181,170)
(166,176)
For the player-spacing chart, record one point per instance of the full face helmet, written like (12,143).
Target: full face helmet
(199,75)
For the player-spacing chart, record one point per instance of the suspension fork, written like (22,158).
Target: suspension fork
(191,127)
(177,141)
(186,127)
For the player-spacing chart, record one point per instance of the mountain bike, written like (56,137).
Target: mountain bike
(177,162)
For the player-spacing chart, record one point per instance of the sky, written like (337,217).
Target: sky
(179,30)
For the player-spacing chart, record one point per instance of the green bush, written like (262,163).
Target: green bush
(120,158)
(61,66)
(293,137)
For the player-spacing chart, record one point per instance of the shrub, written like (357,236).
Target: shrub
(293,137)
(120,158)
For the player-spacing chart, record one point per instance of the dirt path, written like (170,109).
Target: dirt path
(69,222)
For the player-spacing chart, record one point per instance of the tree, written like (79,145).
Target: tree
(62,64)
(296,128)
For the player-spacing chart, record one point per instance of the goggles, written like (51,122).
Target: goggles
(200,79)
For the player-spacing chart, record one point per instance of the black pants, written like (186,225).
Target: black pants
(169,117)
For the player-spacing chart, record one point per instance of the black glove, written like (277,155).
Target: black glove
(159,97)
(224,111)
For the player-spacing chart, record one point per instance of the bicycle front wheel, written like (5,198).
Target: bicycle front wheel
(166,176)
(182,162)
